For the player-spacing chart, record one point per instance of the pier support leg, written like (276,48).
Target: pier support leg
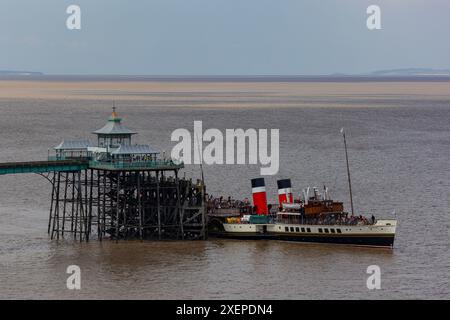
(55,227)
(91,187)
(52,202)
(158,204)
(180,212)
(72,214)
(66,180)
(117,207)
(139,195)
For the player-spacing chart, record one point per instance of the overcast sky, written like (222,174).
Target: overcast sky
(223,37)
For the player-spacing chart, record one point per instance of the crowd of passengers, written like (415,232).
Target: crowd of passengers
(322,219)
(331,219)
(226,203)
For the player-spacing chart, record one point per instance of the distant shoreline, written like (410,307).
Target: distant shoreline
(273,92)
(263,78)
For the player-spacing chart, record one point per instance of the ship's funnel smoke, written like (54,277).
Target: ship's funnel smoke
(259,196)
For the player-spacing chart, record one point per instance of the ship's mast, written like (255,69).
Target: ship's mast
(203,186)
(200,156)
(348,171)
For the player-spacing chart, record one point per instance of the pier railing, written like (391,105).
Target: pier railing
(64,158)
(113,164)
(42,166)
(136,165)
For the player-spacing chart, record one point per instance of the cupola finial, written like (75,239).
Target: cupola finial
(114,116)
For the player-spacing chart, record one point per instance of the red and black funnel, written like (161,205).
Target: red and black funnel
(259,196)
(285,191)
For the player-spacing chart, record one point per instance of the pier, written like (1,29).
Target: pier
(42,166)
(117,190)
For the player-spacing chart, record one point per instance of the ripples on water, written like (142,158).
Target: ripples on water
(399,159)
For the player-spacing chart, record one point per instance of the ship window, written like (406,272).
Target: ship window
(338,230)
(332,231)
(303,229)
(326,230)
(286,229)
(308,229)
(320,230)
(297,229)
(292,229)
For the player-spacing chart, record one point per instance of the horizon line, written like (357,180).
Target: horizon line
(336,77)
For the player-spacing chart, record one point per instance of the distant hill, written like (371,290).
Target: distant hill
(412,72)
(19,73)
(405,74)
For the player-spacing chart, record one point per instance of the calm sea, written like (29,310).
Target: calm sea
(399,149)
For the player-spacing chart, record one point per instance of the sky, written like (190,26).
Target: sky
(223,37)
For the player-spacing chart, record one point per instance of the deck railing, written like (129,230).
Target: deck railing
(152,164)
(113,164)
(61,158)
(42,166)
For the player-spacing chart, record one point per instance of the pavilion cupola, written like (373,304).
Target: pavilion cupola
(113,134)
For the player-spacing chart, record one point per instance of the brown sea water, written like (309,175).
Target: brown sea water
(399,148)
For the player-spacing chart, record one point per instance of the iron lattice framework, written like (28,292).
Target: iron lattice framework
(120,204)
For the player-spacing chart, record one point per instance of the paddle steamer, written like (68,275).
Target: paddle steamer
(314,218)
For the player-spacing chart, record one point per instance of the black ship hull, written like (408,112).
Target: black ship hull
(357,240)
(386,241)
(242,235)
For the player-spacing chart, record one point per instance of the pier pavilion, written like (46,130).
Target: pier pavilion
(117,189)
